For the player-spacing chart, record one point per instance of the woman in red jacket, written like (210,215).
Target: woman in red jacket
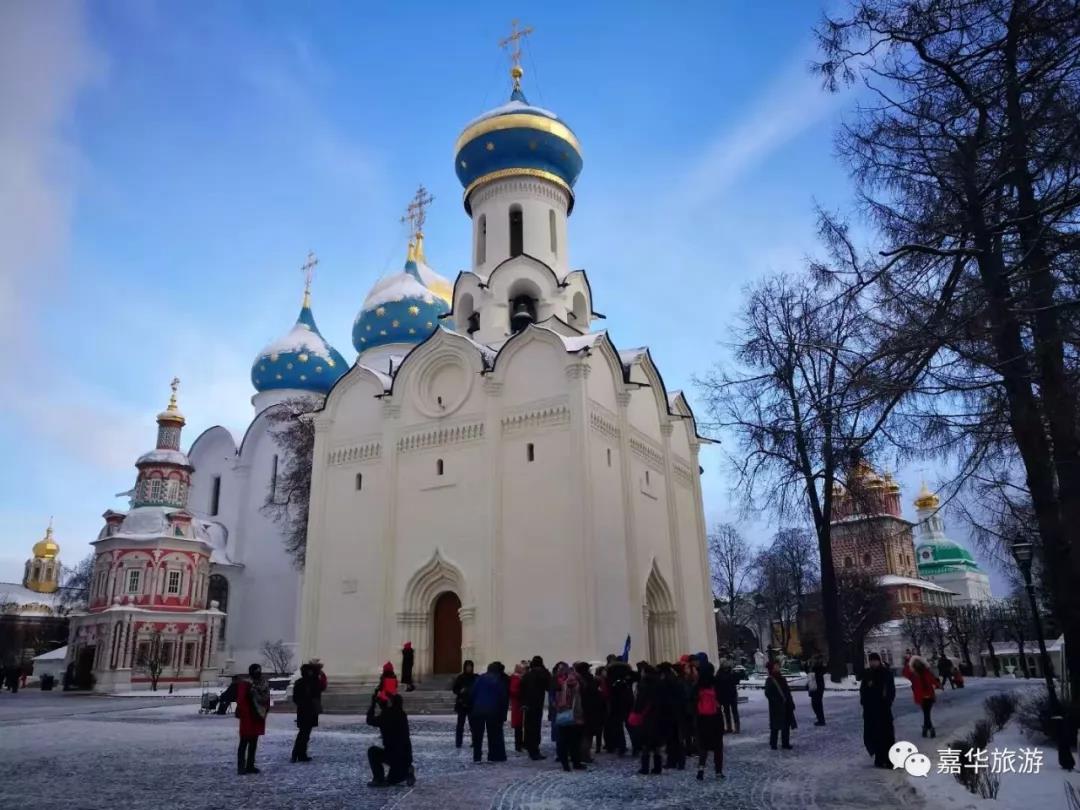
(516,715)
(923,686)
(252,704)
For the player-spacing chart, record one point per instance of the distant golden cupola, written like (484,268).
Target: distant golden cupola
(926,499)
(43,569)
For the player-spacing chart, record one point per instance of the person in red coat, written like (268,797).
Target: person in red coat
(923,689)
(252,705)
(517,716)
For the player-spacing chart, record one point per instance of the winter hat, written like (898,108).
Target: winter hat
(387,668)
(408,645)
(873,657)
(537,661)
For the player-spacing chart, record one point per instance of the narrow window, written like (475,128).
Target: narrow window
(866,558)
(133,581)
(142,653)
(609,456)
(517,229)
(273,478)
(189,654)
(646,478)
(474,323)
(481,240)
(166,653)
(359,481)
(530,451)
(551,228)
(215,495)
(174,582)
(438,467)
(847,562)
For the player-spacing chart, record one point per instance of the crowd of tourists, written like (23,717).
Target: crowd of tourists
(664,716)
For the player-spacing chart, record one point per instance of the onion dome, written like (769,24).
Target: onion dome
(300,360)
(926,499)
(401,308)
(517,140)
(47,548)
(941,556)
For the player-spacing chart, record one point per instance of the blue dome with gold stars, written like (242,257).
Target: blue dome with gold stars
(301,359)
(517,139)
(402,308)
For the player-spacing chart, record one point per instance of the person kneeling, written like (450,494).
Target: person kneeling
(387,714)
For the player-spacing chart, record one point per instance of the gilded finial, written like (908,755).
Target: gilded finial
(419,252)
(174,385)
(410,255)
(513,44)
(309,272)
(416,211)
(49,530)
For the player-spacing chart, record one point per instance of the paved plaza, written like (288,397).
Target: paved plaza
(63,751)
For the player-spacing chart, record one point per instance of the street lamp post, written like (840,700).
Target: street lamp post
(1023,552)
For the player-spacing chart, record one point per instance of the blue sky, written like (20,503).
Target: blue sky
(165,168)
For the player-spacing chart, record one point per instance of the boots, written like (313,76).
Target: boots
(657,763)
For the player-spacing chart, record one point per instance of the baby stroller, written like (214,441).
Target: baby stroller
(208,703)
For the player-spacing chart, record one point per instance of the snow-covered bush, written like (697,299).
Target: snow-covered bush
(1000,707)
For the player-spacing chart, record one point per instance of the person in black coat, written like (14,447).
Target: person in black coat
(462,689)
(654,719)
(592,705)
(727,690)
(407,656)
(876,694)
(675,698)
(388,715)
(620,686)
(816,687)
(307,695)
(534,697)
(781,707)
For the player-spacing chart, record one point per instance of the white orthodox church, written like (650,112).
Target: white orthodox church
(494,478)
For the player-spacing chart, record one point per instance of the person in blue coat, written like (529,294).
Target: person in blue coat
(487,713)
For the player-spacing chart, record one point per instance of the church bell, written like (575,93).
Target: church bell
(522,312)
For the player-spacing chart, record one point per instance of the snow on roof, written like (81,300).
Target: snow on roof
(59,654)
(630,356)
(298,339)
(396,287)
(672,397)
(13,593)
(164,457)
(893,579)
(575,343)
(152,523)
(384,378)
(511,107)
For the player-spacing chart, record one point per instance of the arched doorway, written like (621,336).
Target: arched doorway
(660,618)
(446,634)
(218,591)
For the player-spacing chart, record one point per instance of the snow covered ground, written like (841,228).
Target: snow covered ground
(65,752)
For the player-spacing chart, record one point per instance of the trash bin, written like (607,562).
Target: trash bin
(48,682)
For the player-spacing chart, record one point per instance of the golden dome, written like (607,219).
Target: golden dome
(891,483)
(926,499)
(46,548)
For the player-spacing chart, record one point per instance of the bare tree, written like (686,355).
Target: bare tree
(989,625)
(278,656)
(962,626)
(288,496)
(1016,620)
(774,589)
(150,658)
(798,553)
(75,583)
(731,563)
(864,605)
(915,628)
(969,163)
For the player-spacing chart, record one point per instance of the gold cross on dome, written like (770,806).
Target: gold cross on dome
(416,211)
(309,270)
(174,384)
(513,42)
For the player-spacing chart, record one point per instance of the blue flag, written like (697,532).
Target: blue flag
(626,649)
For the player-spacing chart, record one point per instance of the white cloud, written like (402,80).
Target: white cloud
(45,60)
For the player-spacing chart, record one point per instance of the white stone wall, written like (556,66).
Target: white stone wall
(264,586)
(556,556)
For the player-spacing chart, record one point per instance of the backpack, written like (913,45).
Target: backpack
(706,702)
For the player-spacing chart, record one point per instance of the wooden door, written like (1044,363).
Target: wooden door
(446,644)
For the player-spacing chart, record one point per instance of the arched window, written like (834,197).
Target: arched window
(359,481)
(157,490)
(866,558)
(551,228)
(517,231)
(481,239)
(847,562)
(438,466)
(530,451)
(609,456)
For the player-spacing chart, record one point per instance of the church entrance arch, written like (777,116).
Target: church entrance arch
(446,634)
(660,618)
(436,617)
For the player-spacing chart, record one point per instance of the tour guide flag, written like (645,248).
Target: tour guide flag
(626,649)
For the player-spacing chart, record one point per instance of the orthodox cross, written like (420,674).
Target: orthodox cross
(513,42)
(309,270)
(415,212)
(174,385)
